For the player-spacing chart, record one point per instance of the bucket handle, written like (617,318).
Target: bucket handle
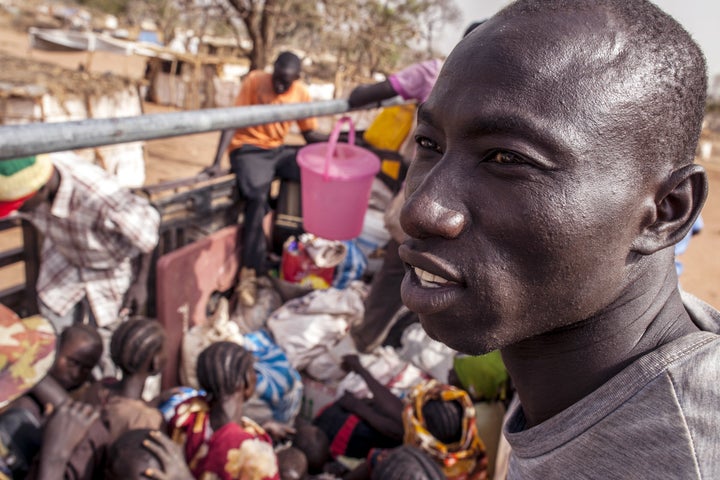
(332,142)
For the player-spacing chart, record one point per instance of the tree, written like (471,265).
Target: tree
(372,35)
(165,14)
(112,7)
(434,15)
(260,19)
(365,36)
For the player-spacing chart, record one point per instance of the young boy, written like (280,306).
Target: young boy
(79,351)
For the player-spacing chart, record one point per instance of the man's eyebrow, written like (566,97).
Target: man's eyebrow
(424,115)
(534,130)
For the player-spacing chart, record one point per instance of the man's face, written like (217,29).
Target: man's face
(521,207)
(283,77)
(75,360)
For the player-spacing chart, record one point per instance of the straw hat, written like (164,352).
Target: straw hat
(27,351)
(20,178)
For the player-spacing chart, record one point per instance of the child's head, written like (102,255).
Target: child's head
(224,368)
(440,420)
(127,459)
(407,463)
(79,350)
(138,346)
(292,463)
(313,442)
(444,420)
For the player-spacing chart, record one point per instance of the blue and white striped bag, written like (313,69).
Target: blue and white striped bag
(278,383)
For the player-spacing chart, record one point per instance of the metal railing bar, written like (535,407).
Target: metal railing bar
(35,138)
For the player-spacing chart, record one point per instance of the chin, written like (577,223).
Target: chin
(457,337)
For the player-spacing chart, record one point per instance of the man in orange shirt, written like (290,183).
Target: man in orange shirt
(257,156)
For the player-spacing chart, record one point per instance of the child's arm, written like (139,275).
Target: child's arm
(389,426)
(384,399)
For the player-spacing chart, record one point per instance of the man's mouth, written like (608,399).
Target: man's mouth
(429,280)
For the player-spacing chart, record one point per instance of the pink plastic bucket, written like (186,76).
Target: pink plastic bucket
(336,179)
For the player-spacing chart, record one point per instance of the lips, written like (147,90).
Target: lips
(431,285)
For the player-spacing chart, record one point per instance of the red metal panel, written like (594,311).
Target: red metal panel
(185,280)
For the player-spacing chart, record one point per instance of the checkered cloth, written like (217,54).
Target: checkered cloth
(92,230)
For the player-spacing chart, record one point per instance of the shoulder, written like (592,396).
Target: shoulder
(241,452)
(193,411)
(703,315)
(257,76)
(298,92)
(87,181)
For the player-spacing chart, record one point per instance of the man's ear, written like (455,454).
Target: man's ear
(677,205)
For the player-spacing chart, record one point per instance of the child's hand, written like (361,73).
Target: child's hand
(64,431)
(278,431)
(351,363)
(349,401)
(68,426)
(170,457)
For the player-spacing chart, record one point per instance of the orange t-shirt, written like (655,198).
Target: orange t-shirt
(257,89)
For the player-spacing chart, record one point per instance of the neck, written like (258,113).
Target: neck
(131,386)
(553,371)
(224,411)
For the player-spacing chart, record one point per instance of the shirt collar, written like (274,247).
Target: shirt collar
(61,202)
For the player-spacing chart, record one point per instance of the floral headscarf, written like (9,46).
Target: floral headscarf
(459,460)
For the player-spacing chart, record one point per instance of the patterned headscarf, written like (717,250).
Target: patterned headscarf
(459,460)
(27,351)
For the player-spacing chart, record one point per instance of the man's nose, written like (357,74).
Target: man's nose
(432,211)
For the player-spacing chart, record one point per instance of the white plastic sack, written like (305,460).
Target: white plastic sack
(309,326)
(388,368)
(432,357)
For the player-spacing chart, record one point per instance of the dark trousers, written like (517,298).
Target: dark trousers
(255,169)
(383,301)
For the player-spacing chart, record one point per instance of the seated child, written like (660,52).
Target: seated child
(354,426)
(217,440)
(79,351)
(142,453)
(437,418)
(69,438)
(138,349)
(440,420)
(43,428)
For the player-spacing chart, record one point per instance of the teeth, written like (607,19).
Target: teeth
(429,280)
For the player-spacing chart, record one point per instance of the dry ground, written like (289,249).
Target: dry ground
(184,156)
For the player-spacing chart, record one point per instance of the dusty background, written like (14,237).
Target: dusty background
(184,156)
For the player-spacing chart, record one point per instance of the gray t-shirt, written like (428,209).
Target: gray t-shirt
(658,418)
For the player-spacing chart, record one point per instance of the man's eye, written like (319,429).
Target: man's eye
(426,143)
(504,157)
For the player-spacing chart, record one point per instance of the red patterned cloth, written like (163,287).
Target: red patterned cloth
(233,452)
